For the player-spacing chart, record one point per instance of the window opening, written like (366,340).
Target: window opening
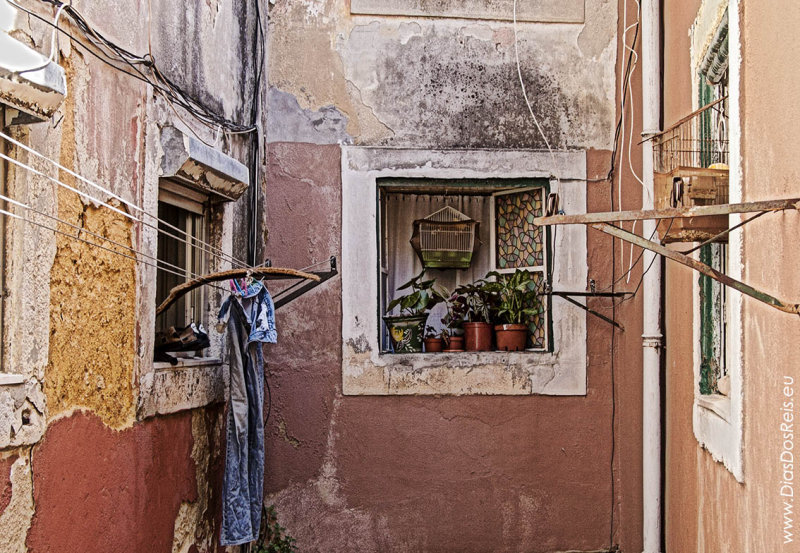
(713,294)
(178,257)
(508,238)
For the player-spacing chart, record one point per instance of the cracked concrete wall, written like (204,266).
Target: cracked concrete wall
(412,473)
(90,459)
(445,82)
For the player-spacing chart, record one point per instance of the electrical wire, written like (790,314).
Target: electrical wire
(108,51)
(553,194)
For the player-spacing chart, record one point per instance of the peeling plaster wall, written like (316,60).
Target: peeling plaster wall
(411,474)
(433,82)
(90,459)
(470,473)
(707,509)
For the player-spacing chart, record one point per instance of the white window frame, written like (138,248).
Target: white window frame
(717,419)
(366,371)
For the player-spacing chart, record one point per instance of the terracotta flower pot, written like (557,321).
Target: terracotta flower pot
(478,336)
(454,343)
(433,345)
(511,337)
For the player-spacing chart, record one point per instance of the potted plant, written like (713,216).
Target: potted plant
(452,333)
(406,329)
(433,341)
(479,298)
(518,299)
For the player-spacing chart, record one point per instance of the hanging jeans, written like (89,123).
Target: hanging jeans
(243,481)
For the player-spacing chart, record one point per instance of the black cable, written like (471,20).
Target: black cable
(108,50)
(655,256)
(618,129)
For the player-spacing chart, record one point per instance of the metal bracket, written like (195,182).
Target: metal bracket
(299,288)
(600,221)
(697,266)
(567,296)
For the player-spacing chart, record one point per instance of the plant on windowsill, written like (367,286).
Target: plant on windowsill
(480,300)
(406,329)
(453,333)
(518,300)
(433,340)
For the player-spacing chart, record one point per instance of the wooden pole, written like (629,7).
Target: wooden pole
(268,273)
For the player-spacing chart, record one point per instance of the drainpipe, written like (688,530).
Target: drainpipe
(651,337)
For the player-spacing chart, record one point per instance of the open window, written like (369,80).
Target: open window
(183,227)
(508,240)
(379,188)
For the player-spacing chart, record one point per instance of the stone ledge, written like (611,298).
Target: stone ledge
(191,384)
(539,11)
(478,373)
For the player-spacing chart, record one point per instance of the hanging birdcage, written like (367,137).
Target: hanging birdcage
(445,239)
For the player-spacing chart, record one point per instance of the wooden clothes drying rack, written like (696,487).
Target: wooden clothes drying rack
(306,281)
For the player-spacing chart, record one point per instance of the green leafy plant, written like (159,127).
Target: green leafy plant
(480,298)
(431,332)
(518,297)
(456,312)
(272,536)
(423,296)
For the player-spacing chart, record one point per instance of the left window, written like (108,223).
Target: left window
(182,255)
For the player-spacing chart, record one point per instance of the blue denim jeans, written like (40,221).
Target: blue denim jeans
(243,481)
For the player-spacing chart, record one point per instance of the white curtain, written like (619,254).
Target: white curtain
(401,261)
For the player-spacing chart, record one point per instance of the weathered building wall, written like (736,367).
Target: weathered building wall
(83,467)
(469,473)
(706,508)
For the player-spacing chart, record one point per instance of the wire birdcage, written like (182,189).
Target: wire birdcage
(445,239)
(699,140)
(690,166)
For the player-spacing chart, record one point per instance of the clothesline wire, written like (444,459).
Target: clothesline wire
(182,271)
(199,244)
(117,197)
(93,244)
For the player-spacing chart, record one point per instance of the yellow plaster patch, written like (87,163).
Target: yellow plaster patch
(193,523)
(92,304)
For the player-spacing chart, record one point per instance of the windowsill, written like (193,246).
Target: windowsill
(717,403)
(192,383)
(184,362)
(462,373)
(10,379)
(455,355)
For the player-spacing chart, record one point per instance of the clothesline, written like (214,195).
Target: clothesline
(195,279)
(199,244)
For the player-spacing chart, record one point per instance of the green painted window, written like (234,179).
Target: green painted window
(713,295)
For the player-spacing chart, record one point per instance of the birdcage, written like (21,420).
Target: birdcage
(690,166)
(446,239)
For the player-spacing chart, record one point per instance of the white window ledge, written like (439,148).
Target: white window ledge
(8,379)
(190,384)
(718,404)
(467,373)
(366,371)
